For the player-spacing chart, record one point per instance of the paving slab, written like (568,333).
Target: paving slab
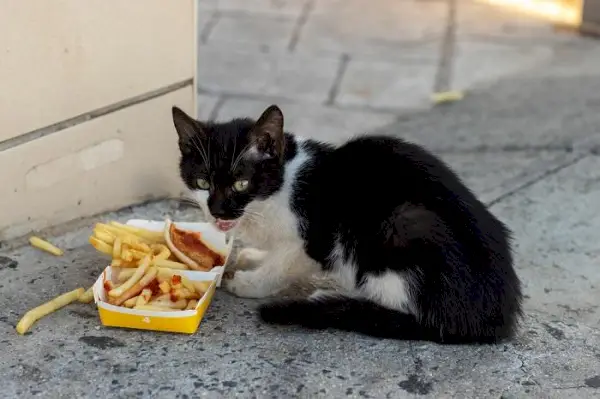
(250,72)
(555,223)
(532,111)
(387,85)
(260,31)
(381,28)
(481,62)
(313,121)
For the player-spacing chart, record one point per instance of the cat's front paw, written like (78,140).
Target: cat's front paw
(248,284)
(248,258)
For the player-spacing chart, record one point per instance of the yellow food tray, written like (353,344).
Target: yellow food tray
(179,321)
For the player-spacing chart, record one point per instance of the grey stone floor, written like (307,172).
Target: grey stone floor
(526,139)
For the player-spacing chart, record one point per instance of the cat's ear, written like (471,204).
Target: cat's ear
(187,129)
(267,133)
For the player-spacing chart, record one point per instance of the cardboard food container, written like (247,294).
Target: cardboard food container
(179,321)
(215,239)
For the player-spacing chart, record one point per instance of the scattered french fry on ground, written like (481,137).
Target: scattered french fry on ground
(447,96)
(88,295)
(43,310)
(45,246)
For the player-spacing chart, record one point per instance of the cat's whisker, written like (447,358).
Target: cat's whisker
(251,213)
(200,149)
(233,154)
(207,164)
(188,201)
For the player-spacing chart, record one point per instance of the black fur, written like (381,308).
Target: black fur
(393,206)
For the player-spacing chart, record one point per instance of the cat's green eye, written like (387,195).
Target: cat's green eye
(202,184)
(240,185)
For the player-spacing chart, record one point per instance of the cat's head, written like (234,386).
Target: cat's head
(228,165)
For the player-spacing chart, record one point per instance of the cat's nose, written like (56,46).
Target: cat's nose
(217,210)
(219,214)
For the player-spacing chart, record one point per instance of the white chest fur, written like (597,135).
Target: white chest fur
(271,222)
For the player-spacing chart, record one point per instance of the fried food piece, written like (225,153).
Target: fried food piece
(51,306)
(139,273)
(154,236)
(202,286)
(180,304)
(124,275)
(45,246)
(144,297)
(101,246)
(130,302)
(191,305)
(169,264)
(137,287)
(447,96)
(161,252)
(88,295)
(165,287)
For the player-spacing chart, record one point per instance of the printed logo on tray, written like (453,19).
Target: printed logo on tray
(146,320)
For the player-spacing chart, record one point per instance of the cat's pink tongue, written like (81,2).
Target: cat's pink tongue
(225,225)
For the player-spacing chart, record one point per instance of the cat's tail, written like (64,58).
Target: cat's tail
(360,316)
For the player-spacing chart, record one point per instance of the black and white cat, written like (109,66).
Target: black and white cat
(414,253)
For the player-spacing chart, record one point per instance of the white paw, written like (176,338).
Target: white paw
(249,258)
(247,284)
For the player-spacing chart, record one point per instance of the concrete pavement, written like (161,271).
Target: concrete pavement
(526,138)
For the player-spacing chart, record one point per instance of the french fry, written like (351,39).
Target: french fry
(124,275)
(101,246)
(144,297)
(202,286)
(117,248)
(45,246)
(156,236)
(169,264)
(130,302)
(168,303)
(139,273)
(183,293)
(137,287)
(191,305)
(161,252)
(127,255)
(104,236)
(88,295)
(126,237)
(37,313)
(165,287)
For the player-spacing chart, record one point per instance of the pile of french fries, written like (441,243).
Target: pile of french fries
(154,288)
(128,246)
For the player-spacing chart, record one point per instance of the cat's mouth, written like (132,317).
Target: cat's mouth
(225,225)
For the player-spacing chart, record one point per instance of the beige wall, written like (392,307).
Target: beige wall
(86,89)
